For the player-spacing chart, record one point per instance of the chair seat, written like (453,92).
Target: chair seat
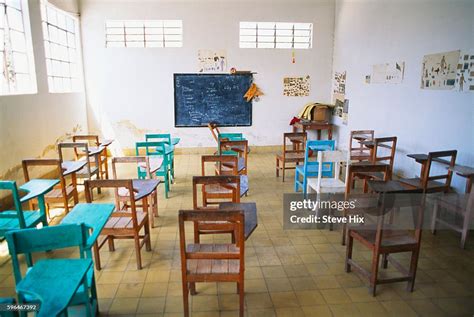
(155,164)
(360,155)
(291,157)
(124,222)
(83,172)
(226,167)
(370,175)
(313,169)
(416,182)
(57,193)
(390,237)
(328,185)
(206,266)
(6,223)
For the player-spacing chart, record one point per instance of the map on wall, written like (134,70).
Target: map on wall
(296,86)
(212,61)
(388,73)
(465,72)
(439,70)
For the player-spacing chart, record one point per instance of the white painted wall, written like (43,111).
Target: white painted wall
(30,124)
(372,32)
(136,84)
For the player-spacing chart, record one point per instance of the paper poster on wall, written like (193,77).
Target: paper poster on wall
(339,86)
(465,72)
(296,86)
(439,70)
(388,73)
(212,61)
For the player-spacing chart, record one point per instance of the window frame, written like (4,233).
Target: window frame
(28,52)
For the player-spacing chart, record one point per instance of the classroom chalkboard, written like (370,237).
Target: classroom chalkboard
(203,98)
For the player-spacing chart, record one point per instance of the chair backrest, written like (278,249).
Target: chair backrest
(338,158)
(131,160)
(443,157)
(316,146)
(151,148)
(360,135)
(219,161)
(231,182)
(27,164)
(232,219)
(241,148)
(91,139)
(158,137)
(115,184)
(11,186)
(78,147)
(214,130)
(28,241)
(289,138)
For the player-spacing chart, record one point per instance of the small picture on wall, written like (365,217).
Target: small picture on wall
(439,70)
(296,86)
(465,73)
(212,61)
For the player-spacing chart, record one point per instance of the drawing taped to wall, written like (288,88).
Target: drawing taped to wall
(388,73)
(465,72)
(212,61)
(341,108)
(439,70)
(296,86)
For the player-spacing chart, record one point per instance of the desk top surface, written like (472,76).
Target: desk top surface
(250,212)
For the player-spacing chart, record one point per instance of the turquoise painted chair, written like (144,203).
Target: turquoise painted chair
(158,149)
(229,137)
(310,166)
(19,218)
(164,137)
(56,283)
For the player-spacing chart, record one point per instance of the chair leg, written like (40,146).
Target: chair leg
(413,267)
(185,298)
(146,209)
(111,243)
(283,171)
(96,256)
(465,230)
(241,298)
(384,260)
(192,288)
(350,243)
(138,251)
(277,168)
(374,272)
(434,217)
(344,234)
(147,237)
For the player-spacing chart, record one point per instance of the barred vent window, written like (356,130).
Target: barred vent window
(276,35)
(145,33)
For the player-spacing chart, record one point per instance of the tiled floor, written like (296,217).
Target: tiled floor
(288,273)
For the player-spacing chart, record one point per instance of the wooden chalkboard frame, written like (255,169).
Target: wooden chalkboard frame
(205,125)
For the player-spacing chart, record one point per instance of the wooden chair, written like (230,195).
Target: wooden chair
(18,218)
(384,239)
(383,150)
(93,141)
(65,285)
(240,149)
(310,167)
(360,152)
(461,205)
(218,162)
(148,187)
(60,194)
(125,223)
(214,130)
(164,137)
(428,183)
(293,155)
(89,171)
(156,150)
(212,262)
(228,183)
(331,184)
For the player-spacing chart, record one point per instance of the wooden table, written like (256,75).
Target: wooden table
(250,215)
(55,295)
(94,216)
(464,171)
(314,125)
(360,167)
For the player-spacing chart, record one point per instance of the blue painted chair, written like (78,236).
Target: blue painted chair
(310,166)
(169,147)
(229,137)
(56,283)
(158,149)
(19,218)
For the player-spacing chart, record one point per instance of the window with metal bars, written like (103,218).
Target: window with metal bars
(62,49)
(144,33)
(276,35)
(16,51)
